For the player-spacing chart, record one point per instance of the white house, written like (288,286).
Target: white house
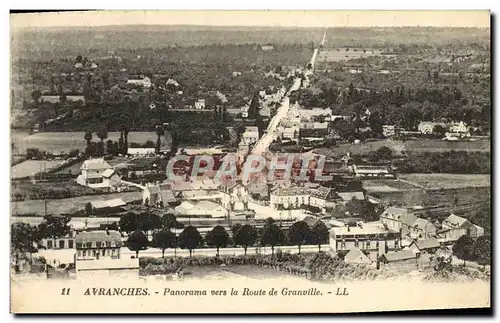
(141,151)
(97,173)
(250,136)
(145,82)
(427,127)
(388,130)
(244,111)
(203,208)
(289,197)
(453,227)
(234,196)
(200,104)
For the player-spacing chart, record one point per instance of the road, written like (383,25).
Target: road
(66,255)
(263,144)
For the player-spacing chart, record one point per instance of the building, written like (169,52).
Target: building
(397,219)
(66,242)
(404,259)
(141,151)
(267,48)
(98,252)
(356,256)
(289,197)
(459,127)
(201,208)
(145,82)
(424,245)
(104,207)
(234,196)
(323,198)
(199,104)
(155,195)
(369,171)
(97,173)
(453,227)
(422,228)
(250,136)
(388,130)
(372,236)
(244,111)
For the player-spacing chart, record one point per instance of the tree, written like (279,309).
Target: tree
(217,237)
(462,249)
(170,221)
(88,137)
(149,221)
(319,234)
(481,250)
(129,222)
(439,130)
(137,241)
(299,233)
(190,239)
(54,226)
(102,134)
(159,132)
(272,235)
(245,236)
(23,237)
(163,240)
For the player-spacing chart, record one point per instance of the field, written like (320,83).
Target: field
(423,145)
(387,186)
(30,191)
(32,167)
(447,181)
(435,197)
(57,142)
(340,54)
(69,205)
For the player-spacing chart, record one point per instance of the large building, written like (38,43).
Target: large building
(453,227)
(372,236)
(287,197)
(98,253)
(405,221)
(97,173)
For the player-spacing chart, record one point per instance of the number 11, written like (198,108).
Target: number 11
(65,291)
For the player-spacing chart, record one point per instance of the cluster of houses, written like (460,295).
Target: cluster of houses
(451,131)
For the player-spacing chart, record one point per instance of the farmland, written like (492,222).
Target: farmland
(32,167)
(57,142)
(387,186)
(345,54)
(435,197)
(59,206)
(448,181)
(418,146)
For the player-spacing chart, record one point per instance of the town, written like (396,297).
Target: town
(388,144)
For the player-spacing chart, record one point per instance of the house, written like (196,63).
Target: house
(236,74)
(104,207)
(422,228)
(453,227)
(141,151)
(398,219)
(323,197)
(289,197)
(199,104)
(154,195)
(313,133)
(388,130)
(267,48)
(145,82)
(356,256)
(404,259)
(365,236)
(244,111)
(234,196)
(349,196)
(66,242)
(201,208)
(98,253)
(97,173)
(424,245)
(250,136)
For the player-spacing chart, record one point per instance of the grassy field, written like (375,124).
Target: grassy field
(32,167)
(435,197)
(30,191)
(57,142)
(59,206)
(340,54)
(423,145)
(447,181)
(387,186)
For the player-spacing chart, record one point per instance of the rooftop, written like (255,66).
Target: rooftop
(366,228)
(108,203)
(95,164)
(399,255)
(102,235)
(426,243)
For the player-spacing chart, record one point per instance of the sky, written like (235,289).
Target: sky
(258,18)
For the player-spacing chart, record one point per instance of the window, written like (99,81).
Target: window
(49,244)
(84,253)
(78,245)
(61,244)
(93,253)
(88,245)
(113,252)
(79,253)
(98,244)
(108,244)
(70,244)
